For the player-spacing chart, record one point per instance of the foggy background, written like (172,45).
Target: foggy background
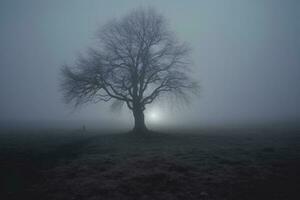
(245,55)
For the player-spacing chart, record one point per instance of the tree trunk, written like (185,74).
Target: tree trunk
(139,120)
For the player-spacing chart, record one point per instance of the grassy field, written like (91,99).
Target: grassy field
(200,164)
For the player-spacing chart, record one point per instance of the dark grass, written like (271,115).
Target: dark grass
(203,164)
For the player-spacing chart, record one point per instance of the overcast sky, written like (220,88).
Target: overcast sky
(246,55)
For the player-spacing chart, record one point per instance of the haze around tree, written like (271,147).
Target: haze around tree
(136,60)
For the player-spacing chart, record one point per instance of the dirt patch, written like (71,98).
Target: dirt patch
(142,178)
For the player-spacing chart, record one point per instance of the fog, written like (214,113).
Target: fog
(245,55)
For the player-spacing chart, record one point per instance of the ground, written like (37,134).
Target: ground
(253,163)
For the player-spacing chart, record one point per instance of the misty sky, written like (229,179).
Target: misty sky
(246,55)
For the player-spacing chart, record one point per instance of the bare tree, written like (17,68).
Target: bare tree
(136,60)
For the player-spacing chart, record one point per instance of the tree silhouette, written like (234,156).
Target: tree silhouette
(136,60)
